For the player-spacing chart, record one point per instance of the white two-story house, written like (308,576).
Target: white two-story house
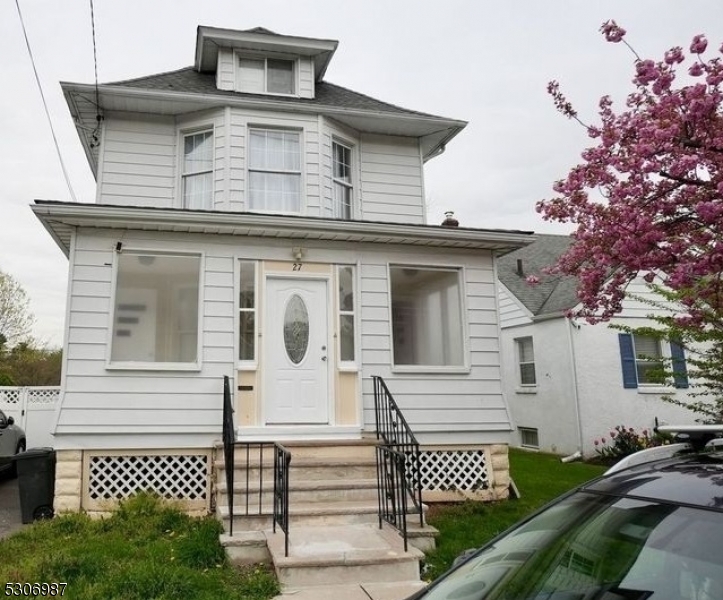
(254,220)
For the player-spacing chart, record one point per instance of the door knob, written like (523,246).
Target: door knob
(323,358)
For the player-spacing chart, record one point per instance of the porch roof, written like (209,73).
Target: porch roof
(62,218)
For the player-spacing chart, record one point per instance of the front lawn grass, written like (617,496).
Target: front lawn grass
(145,550)
(539,478)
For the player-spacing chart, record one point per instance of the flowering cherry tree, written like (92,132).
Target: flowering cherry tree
(647,197)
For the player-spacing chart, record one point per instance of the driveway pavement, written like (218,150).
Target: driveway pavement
(10,519)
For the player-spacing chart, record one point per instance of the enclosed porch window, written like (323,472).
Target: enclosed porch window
(427,324)
(156,309)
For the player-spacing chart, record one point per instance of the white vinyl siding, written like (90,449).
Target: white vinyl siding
(138,158)
(461,407)
(511,312)
(153,402)
(440,407)
(391,186)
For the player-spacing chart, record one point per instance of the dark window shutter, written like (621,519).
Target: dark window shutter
(627,359)
(680,371)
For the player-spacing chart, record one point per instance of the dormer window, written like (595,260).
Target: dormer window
(266,76)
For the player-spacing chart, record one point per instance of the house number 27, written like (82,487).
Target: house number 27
(296,267)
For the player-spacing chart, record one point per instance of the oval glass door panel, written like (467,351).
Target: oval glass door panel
(296,329)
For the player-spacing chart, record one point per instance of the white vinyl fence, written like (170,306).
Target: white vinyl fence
(33,408)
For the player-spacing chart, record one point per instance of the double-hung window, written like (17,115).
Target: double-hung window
(156,308)
(427,323)
(342,184)
(644,362)
(197,170)
(266,76)
(274,170)
(526,361)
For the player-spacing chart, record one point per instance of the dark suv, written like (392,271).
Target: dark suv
(651,527)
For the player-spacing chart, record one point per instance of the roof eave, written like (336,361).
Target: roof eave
(433,143)
(60,218)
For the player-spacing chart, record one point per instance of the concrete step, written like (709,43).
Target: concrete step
(398,590)
(305,468)
(342,555)
(246,547)
(304,490)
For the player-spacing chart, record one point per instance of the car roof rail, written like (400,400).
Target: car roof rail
(649,455)
(698,436)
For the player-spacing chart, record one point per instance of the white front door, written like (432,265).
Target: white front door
(296,357)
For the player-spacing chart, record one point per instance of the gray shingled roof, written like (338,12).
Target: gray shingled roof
(189,80)
(554,294)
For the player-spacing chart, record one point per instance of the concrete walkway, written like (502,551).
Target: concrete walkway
(10,519)
(361,591)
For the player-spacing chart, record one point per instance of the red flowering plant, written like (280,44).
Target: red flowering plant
(647,200)
(625,441)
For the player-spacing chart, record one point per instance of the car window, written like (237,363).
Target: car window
(590,547)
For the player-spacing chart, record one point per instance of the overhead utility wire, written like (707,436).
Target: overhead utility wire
(98,116)
(45,104)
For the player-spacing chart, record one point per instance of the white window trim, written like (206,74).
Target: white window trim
(351,185)
(183,131)
(530,430)
(246,365)
(237,56)
(464,368)
(301,172)
(524,388)
(652,388)
(130,365)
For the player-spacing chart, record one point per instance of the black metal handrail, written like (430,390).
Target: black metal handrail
(229,439)
(254,459)
(393,488)
(394,431)
(282,462)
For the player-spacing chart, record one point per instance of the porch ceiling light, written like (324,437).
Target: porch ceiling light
(298,252)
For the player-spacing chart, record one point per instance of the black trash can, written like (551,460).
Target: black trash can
(36,483)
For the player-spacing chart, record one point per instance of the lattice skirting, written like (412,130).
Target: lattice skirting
(454,470)
(178,476)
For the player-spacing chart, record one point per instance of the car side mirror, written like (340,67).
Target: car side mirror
(11,420)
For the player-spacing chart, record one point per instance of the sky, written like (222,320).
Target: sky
(481,61)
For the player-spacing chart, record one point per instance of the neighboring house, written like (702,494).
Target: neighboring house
(253,220)
(568,382)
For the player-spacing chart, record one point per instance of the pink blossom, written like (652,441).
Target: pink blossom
(596,442)
(674,55)
(612,31)
(699,44)
(696,70)
(602,440)
(532,279)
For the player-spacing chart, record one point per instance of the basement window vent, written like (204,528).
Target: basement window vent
(528,437)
